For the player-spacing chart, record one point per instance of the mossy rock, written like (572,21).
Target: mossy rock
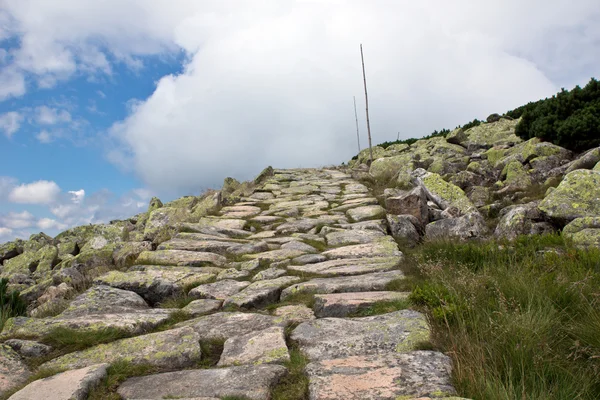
(187,202)
(165,219)
(388,167)
(38,261)
(445,194)
(11,249)
(584,232)
(36,242)
(80,235)
(516,175)
(154,204)
(488,135)
(364,156)
(578,195)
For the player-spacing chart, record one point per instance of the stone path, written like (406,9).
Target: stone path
(302,235)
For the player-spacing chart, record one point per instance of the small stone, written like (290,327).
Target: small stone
(28,348)
(295,314)
(269,273)
(200,307)
(219,290)
(260,347)
(366,213)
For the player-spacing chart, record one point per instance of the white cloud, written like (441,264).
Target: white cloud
(10,122)
(14,220)
(5,233)
(78,195)
(49,116)
(12,82)
(44,137)
(48,223)
(40,192)
(101,94)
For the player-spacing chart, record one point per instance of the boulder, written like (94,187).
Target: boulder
(578,195)
(261,293)
(261,347)
(225,325)
(404,229)
(412,203)
(465,227)
(13,371)
(519,220)
(584,232)
(365,213)
(28,348)
(444,194)
(381,247)
(10,250)
(294,314)
(586,161)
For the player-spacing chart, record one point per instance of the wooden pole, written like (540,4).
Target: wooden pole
(356,117)
(367,104)
(398,138)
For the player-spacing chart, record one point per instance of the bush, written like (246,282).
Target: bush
(570,119)
(11,304)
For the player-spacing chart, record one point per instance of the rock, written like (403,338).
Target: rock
(264,175)
(41,260)
(457,136)
(240,212)
(36,242)
(180,258)
(294,314)
(516,176)
(250,248)
(342,238)
(578,195)
(247,382)
(328,338)
(225,325)
(518,220)
(154,204)
(587,161)
(260,293)
(308,259)
(154,283)
(28,348)
(444,194)
(493,118)
(365,154)
(366,283)
(584,232)
(373,225)
(364,213)
(219,290)
(299,246)
(343,304)
(161,221)
(275,255)
(200,307)
(105,300)
(255,348)
(404,229)
(382,247)
(269,273)
(232,273)
(341,267)
(10,250)
(485,136)
(209,246)
(466,227)
(13,371)
(389,376)
(69,385)
(172,349)
(412,203)
(479,195)
(302,225)
(70,276)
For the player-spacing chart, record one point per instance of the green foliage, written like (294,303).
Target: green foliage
(11,304)
(293,386)
(520,319)
(117,373)
(570,119)
(69,340)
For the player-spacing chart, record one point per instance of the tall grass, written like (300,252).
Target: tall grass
(11,304)
(521,320)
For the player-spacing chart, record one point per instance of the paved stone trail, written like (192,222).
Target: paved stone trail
(249,268)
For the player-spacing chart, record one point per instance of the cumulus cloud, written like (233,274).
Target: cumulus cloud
(272,82)
(10,122)
(49,223)
(44,137)
(49,116)
(77,195)
(40,192)
(14,220)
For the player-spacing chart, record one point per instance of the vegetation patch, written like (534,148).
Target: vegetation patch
(11,304)
(382,307)
(117,373)
(294,386)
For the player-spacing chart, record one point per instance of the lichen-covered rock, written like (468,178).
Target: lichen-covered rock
(444,194)
(404,229)
(518,220)
(13,371)
(380,247)
(578,195)
(129,252)
(102,299)
(343,304)
(219,290)
(417,374)
(10,250)
(180,258)
(409,203)
(261,293)
(328,338)
(243,382)
(457,136)
(479,195)
(294,314)
(365,154)
(487,135)
(175,348)
(225,325)
(162,220)
(261,347)
(40,260)
(36,242)
(201,307)
(516,176)
(388,167)
(464,227)
(584,232)
(347,237)
(69,385)
(208,204)
(365,213)
(28,348)
(269,273)
(586,161)
(352,266)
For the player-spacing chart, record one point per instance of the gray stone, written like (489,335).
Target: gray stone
(342,267)
(466,227)
(343,304)
(299,246)
(444,194)
(275,255)
(308,259)
(269,273)
(261,293)
(209,246)
(250,248)
(28,348)
(225,325)
(13,371)
(328,338)
(200,307)
(103,299)
(69,385)
(180,258)
(404,230)
(344,237)
(294,314)
(417,374)
(412,203)
(364,283)
(248,382)
(219,290)
(232,273)
(578,195)
(381,247)
(261,347)
(364,213)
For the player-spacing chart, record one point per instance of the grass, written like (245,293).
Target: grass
(176,302)
(117,373)
(294,386)
(211,352)
(11,304)
(69,340)
(520,320)
(306,298)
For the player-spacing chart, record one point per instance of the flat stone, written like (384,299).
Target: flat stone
(154,283)
(180,258)
(302,225)
(261,293)
(224,222)
(200,307)
(368,282)
(382,247)
(216,231)
(328,338)
(358,202)
(209,246)
(28,348)
(308,259)
(260,347)
(263,235)
(219,290)
(269,273)
(299,246)
(247,382)
(224,325)
(102,299)
(343,238)
(266,219)
(384,376)
(172,349)
(232,273)
(294,314)
(69,385)
(240,211)
(343,267)
(214,236)
(366,213)
(343,304)
(250,248)
(275,255)
(13,371)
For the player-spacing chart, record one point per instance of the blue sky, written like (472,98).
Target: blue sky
(104,104)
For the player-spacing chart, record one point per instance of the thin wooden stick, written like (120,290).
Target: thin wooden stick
(367,104)
(356,117)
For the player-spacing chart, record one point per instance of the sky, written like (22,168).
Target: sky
(104,104)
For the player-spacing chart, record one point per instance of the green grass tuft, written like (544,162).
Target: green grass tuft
(117,373)
(382,307)
(294,386)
